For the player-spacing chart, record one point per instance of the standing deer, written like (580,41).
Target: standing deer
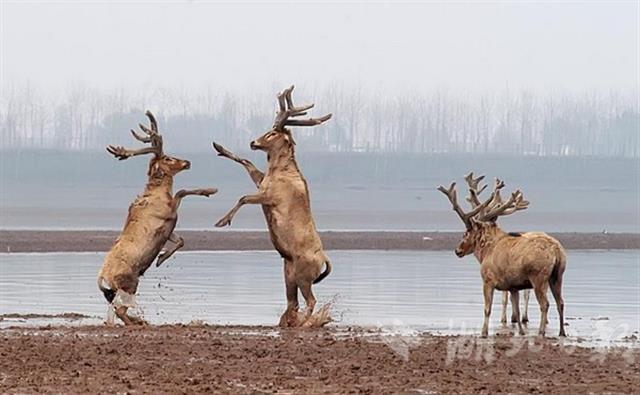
(473,199)
(150,223)
(510,262)
(284,196)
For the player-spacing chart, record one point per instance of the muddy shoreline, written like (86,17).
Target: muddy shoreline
(82,241)
(251,360)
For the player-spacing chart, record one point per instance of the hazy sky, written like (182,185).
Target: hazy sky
(573,45)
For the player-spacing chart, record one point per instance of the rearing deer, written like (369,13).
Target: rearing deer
(473,199)
(510,262)
(284,196)
(150,223)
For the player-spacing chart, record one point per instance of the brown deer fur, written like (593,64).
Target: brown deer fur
(474,183)
(149,225)
(284,196)
(510,262)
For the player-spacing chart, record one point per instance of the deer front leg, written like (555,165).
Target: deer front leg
(259,198)
(177,241)
(177,199)
(255,174)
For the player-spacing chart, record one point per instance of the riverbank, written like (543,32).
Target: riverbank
(82,241)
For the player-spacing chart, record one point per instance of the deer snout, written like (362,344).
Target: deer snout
(254,145)
(186,165)
(459,252)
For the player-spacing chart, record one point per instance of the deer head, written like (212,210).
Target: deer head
(161,164)
(279,136)
(483,215)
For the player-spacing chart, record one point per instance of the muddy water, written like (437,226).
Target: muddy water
(423,290)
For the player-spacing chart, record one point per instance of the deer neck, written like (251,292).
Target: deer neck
(159,183)
(487,241)
(284,160)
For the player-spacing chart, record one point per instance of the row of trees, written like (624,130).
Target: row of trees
(438,121)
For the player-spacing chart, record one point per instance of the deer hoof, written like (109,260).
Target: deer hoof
(161,258)
(223,222)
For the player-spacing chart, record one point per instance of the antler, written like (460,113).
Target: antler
(490,209)
(473,189)
(288,110)
(453,198)
(152,136)
(474,193)
(499,209)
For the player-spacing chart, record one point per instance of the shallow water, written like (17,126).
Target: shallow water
(423,290)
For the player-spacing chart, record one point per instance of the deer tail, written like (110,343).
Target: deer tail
(324,274)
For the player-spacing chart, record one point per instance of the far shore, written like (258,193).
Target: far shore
(100,241)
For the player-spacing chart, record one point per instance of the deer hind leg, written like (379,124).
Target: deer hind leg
(515,304)
(309,298)
(540,288)
(125,299)
(488,301)
(121,312)
(515,317)
(505,302)
(556,290)
(525,315)
(290,316)
(128,320)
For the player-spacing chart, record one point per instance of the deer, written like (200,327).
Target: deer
(284,196)
(474,201)
(510,261)
(149,226)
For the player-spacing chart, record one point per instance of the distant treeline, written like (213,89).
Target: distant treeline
(437,121)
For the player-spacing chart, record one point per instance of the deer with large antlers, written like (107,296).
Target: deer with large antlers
(473,199)
(509,261)
(284,196)
(149,225)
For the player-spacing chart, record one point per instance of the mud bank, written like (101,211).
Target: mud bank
(79,241)
(195,358)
